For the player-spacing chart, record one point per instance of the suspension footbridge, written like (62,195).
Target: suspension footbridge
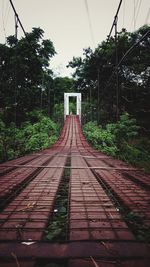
(69,204)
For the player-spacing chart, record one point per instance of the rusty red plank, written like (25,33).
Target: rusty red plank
(95,223)
(107,249)
(96,217)
(133,196)
(38,196)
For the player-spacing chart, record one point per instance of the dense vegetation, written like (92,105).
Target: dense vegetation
(120,140)
(115,102)
(112,91)
(25,75)
(117,96)
(35,134)
(30,95)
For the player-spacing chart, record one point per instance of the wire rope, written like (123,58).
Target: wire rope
(147,16)
(134,17)
(7,16)
(137,6)
(138,10)
(19,21)
(6,10)
(126,54)
(124,7)
(89,21)
(114,21)
(3,23)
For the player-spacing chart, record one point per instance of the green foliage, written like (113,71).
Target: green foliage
(136,155)
(88,111)
(29,137)
(62,85)
(120,140)
(101,139)
(40,135)
(93,76)
(34,116)
(24,72)
(124,130)
(7,141)
(72,108)
(58,113)
(56,229)
(142,232)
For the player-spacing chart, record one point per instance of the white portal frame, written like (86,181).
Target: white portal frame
(78,104)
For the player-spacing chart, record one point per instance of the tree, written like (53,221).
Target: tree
(62,85)
(96,73)
(24,64)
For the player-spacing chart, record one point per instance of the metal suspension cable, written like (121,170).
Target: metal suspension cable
(128,51)
(18,17)
(137,6)
(17,21)
(123,14)
(134,15)
(132,47)
(138,11)
(5,14)
(114,22)
(15,86)
(126,54)
(147,16)
(3,20)
(89,20)
(114,25)
(7,10)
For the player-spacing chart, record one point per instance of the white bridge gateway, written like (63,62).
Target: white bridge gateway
(78,104)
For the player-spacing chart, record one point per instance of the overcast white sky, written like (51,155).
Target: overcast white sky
(67,24)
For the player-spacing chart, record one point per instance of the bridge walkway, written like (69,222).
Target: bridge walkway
(73,205)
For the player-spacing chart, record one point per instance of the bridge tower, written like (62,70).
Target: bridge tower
(78,104)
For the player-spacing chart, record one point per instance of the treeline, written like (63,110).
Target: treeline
(121,140)
(38,133)
(27,81)
(114,80)
(110,91)
(30,95)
